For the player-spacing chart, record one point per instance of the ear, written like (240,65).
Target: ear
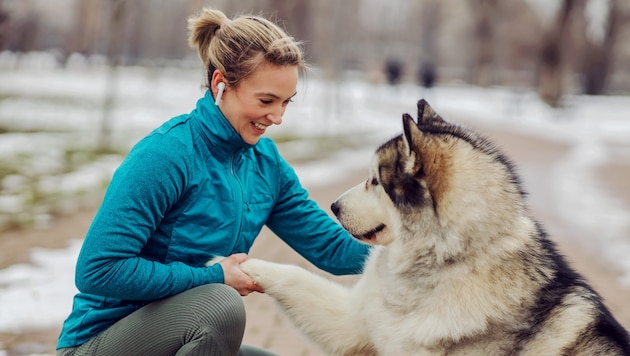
(410,131)
(426,113)
(217,77)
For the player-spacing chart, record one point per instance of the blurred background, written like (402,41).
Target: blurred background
(82,80)
(556,46)
(52,51)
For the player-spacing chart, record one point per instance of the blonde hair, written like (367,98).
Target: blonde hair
(240,46)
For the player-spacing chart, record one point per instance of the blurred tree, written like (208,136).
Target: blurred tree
(141,39)
(22,32)
(485,42)
(293,16)
(598,54)
(518,31)
(485,11)
(552,67)
(4,19)
(430,28)
(115,30)
(84,35)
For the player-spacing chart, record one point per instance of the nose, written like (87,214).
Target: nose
(335,208)
(274,118)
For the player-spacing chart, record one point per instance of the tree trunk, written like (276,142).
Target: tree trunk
(484,37)
(114,50)
(598,56)
(552,68)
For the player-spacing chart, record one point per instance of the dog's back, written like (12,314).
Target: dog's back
(570,314)
(563,315)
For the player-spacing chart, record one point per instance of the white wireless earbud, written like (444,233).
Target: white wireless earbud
(221,87)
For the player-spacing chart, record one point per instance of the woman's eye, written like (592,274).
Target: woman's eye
(265,101)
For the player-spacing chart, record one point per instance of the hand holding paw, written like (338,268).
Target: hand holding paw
(234,276)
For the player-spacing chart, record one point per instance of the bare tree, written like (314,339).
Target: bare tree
(292,15)
(22,33)
(4,19)
(598,55)
(552,68)
(116,10)
(484,12)
(86,32)
(430,26)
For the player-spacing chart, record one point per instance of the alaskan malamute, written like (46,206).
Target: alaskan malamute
(459,267)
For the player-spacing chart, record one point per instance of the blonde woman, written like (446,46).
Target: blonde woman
(201,185)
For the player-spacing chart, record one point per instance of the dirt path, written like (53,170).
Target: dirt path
(15,244)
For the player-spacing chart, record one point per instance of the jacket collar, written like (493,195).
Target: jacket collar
(218,134)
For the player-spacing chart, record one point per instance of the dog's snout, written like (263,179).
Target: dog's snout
(335,208)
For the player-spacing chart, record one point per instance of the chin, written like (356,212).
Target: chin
(252,140)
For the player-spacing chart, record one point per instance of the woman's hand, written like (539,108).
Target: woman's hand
(235,277)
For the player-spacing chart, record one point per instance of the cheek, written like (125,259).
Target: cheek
(249,114)
(240,119)
(242,110)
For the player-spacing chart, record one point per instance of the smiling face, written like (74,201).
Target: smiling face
(259,100)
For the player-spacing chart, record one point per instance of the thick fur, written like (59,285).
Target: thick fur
(459,267)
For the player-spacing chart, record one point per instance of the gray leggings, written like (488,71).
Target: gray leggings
(206,320)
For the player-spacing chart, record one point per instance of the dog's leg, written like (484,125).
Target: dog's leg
(321,309)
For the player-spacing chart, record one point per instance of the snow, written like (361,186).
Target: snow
(39,294)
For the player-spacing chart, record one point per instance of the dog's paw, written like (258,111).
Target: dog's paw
(214,260)
(268,275)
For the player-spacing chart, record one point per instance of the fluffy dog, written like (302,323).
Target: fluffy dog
(459,266)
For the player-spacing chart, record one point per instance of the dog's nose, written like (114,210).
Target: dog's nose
(335,208)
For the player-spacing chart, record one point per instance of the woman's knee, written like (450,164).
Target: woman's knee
(219,306)
(218,312)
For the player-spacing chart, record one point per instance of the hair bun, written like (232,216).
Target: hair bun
(202,28)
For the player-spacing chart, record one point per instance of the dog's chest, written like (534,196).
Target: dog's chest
(390,311)
(408,311)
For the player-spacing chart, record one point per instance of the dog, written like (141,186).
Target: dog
(458,266)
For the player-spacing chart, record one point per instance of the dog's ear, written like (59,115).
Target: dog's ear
(410,132)
(426,114)
(403,185)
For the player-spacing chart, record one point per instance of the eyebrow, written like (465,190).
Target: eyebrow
(274,95)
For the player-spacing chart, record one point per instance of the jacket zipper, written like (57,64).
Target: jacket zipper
(239,203)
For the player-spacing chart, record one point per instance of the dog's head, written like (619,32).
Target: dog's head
(438,182)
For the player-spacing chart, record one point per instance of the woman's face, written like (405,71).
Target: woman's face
(259,100)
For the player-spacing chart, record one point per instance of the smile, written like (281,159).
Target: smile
(259,126)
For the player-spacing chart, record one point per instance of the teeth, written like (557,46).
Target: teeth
(259,126)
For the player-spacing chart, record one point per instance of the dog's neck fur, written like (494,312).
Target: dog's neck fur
(437,251)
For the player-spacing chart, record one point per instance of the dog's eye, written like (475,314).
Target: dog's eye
(374,181)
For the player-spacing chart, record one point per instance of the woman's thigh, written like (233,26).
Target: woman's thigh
(208,320)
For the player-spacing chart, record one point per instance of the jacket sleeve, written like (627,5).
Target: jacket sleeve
(147,183)
(309,230)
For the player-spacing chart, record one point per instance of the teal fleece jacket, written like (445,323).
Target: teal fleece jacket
(190,190)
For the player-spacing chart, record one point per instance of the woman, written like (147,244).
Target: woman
(201,185)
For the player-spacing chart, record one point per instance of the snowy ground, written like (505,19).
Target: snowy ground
(68,105)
